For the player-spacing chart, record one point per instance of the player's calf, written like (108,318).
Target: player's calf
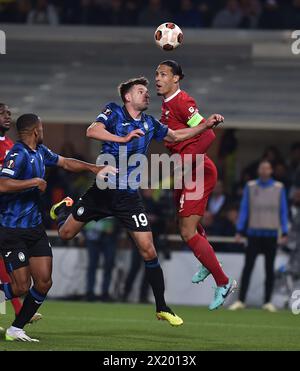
(43,286)
(65,233)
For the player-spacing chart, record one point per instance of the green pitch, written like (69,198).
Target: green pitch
(96,326)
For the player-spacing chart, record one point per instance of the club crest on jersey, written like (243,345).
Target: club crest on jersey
(146,126)
(193,112)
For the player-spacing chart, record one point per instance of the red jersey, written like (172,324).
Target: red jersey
(180,111)
(5,146)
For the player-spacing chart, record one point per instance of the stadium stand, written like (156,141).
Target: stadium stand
(250,77)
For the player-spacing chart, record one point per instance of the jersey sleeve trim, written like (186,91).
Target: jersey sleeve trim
(101,117)
(8,171)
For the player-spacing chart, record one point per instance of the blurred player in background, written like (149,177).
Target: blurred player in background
(24,243)
(126,127)
(179,111)
(5,145)
(263,213)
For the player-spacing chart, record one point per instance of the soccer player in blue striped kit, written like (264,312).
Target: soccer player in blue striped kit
(23,241)
(128,127)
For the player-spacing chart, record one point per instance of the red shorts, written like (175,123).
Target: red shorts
(196,205)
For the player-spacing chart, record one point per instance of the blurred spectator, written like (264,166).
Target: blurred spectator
(271,154)
(96,12)
(193,13)
(100,238)
(226,225)
(280,173)
(208,223)
(227,159)
(229,17)
(7,10)
(251,13)
(294,237)
(271,17)
(79,182)
(217,199)
(115,13)
(131,12)
(294,164)
(72,11)
(154,14)
(207,10)
(292,16)
(263,212)
(23,8)
(58,187)
(43,13)
(290,272)
(188,15)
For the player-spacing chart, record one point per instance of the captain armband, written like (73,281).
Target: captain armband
(195,120)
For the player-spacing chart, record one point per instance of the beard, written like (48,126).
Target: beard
(142,108)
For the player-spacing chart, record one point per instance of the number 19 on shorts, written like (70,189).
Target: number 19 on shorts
(140,220)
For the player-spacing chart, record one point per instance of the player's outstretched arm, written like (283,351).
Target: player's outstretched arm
(184,134)
(76,166)
(98,131)
(8,185)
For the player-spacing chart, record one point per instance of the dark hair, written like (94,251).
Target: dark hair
(2,105)
(124,87)
(27,122)
(176,68)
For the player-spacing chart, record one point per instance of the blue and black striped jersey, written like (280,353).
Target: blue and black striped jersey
(118,122)
(23,209)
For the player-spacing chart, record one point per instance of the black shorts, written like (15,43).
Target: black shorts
(17,245)
(128,207)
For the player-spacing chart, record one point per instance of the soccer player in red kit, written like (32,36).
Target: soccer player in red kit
(5,145)
(179,111)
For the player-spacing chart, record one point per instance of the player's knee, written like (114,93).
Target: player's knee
(21,288)
(148,252)
(186,233)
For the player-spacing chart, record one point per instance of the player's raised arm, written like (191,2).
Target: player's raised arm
(183,134)
(98,131)
(76,166)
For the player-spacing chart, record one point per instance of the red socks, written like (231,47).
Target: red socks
(4,277)
(206,255)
